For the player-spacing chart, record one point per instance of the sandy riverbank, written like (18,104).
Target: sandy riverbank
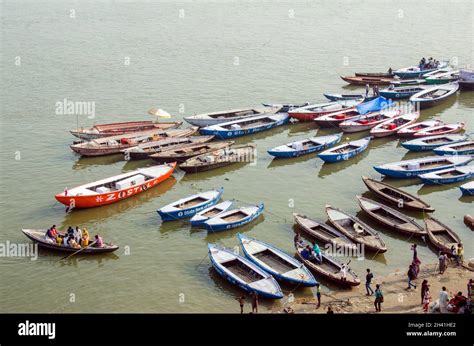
(397,299)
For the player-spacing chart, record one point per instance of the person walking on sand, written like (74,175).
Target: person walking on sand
(426,299)
(443,262)
(368,281)
(318,295)
(378,298)
(241,301)
(411,276)
(424,287)
(254,297)
(443,301)
(460,254)
(416,261)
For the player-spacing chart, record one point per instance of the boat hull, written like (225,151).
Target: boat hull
(331,157)
(231,225)
(296,153)
(226,134)
(142,126)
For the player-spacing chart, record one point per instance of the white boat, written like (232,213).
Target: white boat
(214,118)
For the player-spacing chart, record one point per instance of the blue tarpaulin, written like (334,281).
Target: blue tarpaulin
(375,105)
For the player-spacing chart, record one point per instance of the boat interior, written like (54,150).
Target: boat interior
(383,213)
(111,185)
(451,173)
(235,216)
(212,212)
(249,124)
(353,227)
(274,261)
(191,202)
(439,129)
(395,194)
(440,140)
(443,236)
(243,271)
(239,113)
(463,146)
(428,164)
(345,149)
(434,94)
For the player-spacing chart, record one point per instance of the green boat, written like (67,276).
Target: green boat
(443,78)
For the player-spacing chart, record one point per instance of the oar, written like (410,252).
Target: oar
(79,250)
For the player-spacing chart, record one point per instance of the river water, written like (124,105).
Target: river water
(191,57)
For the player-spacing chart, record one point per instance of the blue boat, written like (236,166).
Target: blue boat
(246,126)
(188,206)
(306,146)
(448,176)
(345,151)
(461,148)
(204,215)
(416,167)
(234,218)
(467,189)
(416,72)
(432,142)
(276,262)
(243,273)
(401,92)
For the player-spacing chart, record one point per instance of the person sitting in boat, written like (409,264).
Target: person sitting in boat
(66,239)
(77,235)
(70,231)
(59,239)
(98,241)
(72,243)
(51,234)
(343,272)
(367,88)
(306,253)
(317,253)
(85,238)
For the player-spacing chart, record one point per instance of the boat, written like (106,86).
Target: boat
(390,218)
(276,262)
(432,142)
(311,112)
(188,206)
(247,126)
(185,152)
(234,218)
(467,189)
(460,148)
(401,92)
(144,150)
(38,236)
(409,131)
(116,144)
(324,233)
(396,196)
(435,95)
(391,126)
(367,80)
(356,230)
(342,97)
(115,129)
(442,129)
(440,235)
(448,176)
(414,167)
(408,82)
(443,78)
(305,146)
(116,188)
(345,151)
(220,158)
(332,120)
(285,107)
(200,217)
(466,80)
(214,118)
(329,268)
(416,71)
(243,273)
(368,121)
(375,74)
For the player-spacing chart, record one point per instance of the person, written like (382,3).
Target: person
(390,71)
(98,241)
(424,287)
(330,311)
(254,296)
(443,300)
(59,239)
(72,243)
(317,253)
(66,240)
(51,234)
(411,276)
(367,90)
(241,301)
(457,304)
(416,261)
(368,281)
(77,234)
(85,238)
(443,262)
(343,272)
(318,295)
(391,87)
(378,298)
(460,254)
(305,253)
(426,299)
(297,239)
(70,231)
(374,90)
(454,254)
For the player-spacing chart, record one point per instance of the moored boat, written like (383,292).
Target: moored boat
(285,107)
(435,95)
(391,126)
(214,118)
(342,97)
(416,71)
(334,119)
(243,273)
(234,218)
(442,78)
(432,142)
(448,176)
(409,131)
(467,189)
(200,217)
(442,129)
(408,82)
(368,121)
(313,111)
(460,148)
(375,74)
(466,80)
(401,92)
(116,188)
(345,151)
(367,80)
(440,235)
(185,152)
(306,146)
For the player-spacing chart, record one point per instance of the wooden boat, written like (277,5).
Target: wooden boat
(461,148)
(391,126)
(324,233)
(243,273)
(401,92)
(415,167)
(188,206)
(214,118)
(345,151)
(115,144)
(440,235)
(330,269)
(306,146)
(116,188)
(396,196)
(469,221)
(355,229)
(443,78)
(367,80)
(367,121)
(466,80)
(408,82)
(416,71)
(435,95)
(432,142)
(311,112)
(390,218)
(200,217)
(342,97)
(234,218)
(467,189)
(409,131)
(220,158)
(38,236)
(185,152)
(115,129)
(246,126)
(285,107)
(375,74)
(440,130)
(276,262)
(332,120)
(448,176)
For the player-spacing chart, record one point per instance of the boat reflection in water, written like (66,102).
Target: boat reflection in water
(94,161)
(330,168)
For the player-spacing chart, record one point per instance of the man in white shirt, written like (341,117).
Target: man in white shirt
(443,301)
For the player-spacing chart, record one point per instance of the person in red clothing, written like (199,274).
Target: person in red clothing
(52,233)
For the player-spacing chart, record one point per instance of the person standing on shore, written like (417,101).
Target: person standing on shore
(426,299)
(416,261)
(378,298)
(443,301)
(424,287)
(443,260)
(411,276)
(241,301)
(368,281)
(254,296)
(318,295)
(367,90)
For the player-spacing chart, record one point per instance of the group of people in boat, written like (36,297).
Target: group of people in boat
(75,238)
(308,252)
(428,64)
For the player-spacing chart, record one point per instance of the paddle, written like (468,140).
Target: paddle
(66,257)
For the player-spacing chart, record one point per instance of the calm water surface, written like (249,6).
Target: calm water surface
(198,56)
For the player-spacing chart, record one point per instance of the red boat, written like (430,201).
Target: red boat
(368,80)
(116,188)
(334,119)
(440,130)
(311,112)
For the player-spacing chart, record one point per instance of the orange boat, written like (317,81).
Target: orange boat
(114,189)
